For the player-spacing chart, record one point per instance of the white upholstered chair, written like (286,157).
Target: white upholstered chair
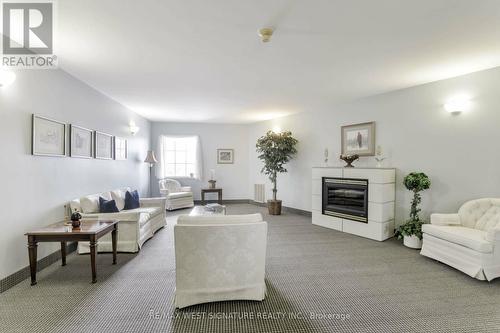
(219,258)
(468,241)
(177,196)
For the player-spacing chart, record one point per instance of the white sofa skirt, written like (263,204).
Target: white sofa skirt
(131,236)
(185,298)
(178,203)
(473,263)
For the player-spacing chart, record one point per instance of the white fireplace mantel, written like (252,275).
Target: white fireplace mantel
(381,201)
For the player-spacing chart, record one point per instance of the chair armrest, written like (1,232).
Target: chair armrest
(445,219)
(164,192)
(153,202)
(493,235)
(185,189)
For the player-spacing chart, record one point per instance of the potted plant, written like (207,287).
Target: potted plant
(275,150)
(411,231)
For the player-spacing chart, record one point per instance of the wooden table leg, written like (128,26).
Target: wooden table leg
(114,236)
(202,198)
(93,250)
(63,253)
(219,196)
(32,246)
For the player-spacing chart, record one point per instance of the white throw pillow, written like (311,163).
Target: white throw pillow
(119,197)
(75,206)
(90,204)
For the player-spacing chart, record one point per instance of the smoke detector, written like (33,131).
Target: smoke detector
(265,34)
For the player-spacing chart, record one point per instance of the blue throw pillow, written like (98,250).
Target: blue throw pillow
(107,206)
(132,200)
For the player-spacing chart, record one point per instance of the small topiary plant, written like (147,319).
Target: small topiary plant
(415,182)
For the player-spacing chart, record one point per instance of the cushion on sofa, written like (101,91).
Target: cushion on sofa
(119,197)
(132,200)
(471,238)
(107,206)
(74,205)
(90,204)
(178,195)
(490,219)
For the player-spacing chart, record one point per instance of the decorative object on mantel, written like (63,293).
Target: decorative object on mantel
(75,219)
(359,139)
(225,156)
(411,231)
(326,156)
(275,150)
(379,157)
(48,137)
(349,159)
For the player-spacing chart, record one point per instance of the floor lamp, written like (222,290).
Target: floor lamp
(151,160)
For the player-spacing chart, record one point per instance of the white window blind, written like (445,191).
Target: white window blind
(179,156)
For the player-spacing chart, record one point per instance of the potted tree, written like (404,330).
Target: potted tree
(275,150)
(411,231)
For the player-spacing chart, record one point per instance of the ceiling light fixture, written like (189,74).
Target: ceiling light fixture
(265,34)
(7,77)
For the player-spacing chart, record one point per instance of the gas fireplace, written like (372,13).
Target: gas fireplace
(346,198)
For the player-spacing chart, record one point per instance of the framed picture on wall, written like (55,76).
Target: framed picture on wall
(359,139)
(103,149)
(48,137)
(81,142)
(225,156)
(120,148)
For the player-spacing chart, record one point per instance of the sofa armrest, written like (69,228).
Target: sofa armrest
(185,189)
(153,202)
(164,192)
(493,235)
(445,219)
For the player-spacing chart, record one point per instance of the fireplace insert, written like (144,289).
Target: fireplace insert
(346,198)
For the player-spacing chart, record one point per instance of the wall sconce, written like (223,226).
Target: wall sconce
(6,78)
(133,128)
(458,104)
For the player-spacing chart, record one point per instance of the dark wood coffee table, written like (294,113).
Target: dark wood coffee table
(89,231)
(211,190)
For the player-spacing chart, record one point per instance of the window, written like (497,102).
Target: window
(179,156)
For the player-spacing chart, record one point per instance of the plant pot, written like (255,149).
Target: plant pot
(274,207)
(412,242)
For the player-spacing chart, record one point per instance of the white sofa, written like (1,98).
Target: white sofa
(468,241)
(219,258)
(177,196)
(136,226)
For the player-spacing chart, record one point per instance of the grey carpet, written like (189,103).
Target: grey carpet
(319,280)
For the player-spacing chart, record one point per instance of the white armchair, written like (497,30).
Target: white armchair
(219,258)
(177,196)
(468,241)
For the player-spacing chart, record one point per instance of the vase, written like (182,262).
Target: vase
(412,242)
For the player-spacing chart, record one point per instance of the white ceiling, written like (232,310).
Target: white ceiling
(199,60)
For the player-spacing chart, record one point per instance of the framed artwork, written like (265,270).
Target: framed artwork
(120,148)
(81,142)
(359,139)
(225,156)
(48,137)
(103,143)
